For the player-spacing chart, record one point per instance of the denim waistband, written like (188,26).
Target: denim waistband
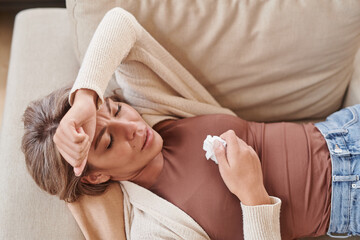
(341,131)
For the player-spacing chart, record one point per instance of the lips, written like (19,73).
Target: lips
(149,138)
(145,138)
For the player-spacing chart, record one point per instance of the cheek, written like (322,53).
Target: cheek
(94,160)
(121,155)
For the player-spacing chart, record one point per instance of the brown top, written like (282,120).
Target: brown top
(295,162)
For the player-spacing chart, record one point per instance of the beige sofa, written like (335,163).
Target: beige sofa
(267,60)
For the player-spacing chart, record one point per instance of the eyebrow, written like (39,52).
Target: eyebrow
(98,138)
(103,130)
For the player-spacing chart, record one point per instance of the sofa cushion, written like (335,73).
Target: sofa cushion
(353,91)
(42,60)
(266,60)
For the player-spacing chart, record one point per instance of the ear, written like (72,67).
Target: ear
(95,178)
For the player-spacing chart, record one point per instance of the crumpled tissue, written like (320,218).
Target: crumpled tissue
(208,147)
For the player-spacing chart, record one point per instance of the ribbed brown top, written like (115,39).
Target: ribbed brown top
(296,167)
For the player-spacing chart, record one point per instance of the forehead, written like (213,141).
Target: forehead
(102,115)
(105,108)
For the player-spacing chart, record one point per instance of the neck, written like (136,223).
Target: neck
(149,174)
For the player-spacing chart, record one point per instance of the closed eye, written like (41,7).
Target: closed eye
(118,110)
(110,142)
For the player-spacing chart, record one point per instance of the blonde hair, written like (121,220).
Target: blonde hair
(47,167)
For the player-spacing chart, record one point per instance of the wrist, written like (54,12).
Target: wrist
(253,197)
(86,95)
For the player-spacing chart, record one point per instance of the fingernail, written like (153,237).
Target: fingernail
(77,172)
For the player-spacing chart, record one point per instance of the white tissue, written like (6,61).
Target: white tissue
(208,147)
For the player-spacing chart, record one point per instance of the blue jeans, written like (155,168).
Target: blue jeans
(341,131)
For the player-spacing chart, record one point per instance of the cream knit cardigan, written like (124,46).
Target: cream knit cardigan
(159,88)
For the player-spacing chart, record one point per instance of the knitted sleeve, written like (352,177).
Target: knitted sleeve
(111,43)
(150,78)
(262,221)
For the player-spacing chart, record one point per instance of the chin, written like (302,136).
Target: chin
(158,143)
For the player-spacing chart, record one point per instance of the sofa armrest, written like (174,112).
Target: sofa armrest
(353,93)
(42,59)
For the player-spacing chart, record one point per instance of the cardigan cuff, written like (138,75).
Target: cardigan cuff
(262,221)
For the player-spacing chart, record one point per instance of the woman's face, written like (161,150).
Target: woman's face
(123,143)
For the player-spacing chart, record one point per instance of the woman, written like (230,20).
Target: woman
(130,150)
(174,93)
(135,153)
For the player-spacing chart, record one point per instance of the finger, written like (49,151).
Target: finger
(233,149)
(69,137)
(73,154)
(84,154)
(87,141)
(84,145)
(62,139)
(89,133)
(67,130)
(78,149)
(65,144)
(220,154)
(78,170)
(81,131)
(73,159)
(77,135)
(230,137)
(67,157)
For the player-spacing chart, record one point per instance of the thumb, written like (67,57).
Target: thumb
(81,130)
(82,134)
(87,130)
(219,151)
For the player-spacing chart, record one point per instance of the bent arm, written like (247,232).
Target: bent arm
(112,41)
(240,169)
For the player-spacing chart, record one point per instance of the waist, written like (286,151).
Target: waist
(296,168)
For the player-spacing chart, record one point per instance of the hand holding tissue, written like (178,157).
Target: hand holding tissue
(208,147)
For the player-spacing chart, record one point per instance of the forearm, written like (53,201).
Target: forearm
(110,45)
(262,221)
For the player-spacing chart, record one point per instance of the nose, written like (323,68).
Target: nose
(125,128)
